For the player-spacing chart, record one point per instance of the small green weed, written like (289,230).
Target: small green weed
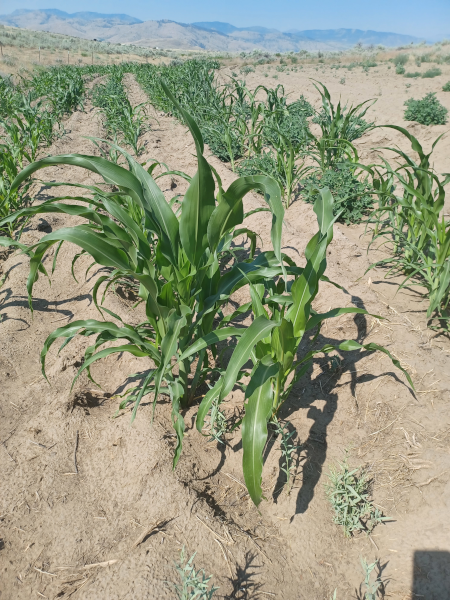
(194,584)
(413,74)
(247,69)
(427,111)
(218,424)
(348,493)
(372,587)
(446,87)
(400,70)
(287,449)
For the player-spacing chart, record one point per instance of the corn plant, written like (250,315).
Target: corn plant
(174,262)
(63,87)
(340,126)
(413,227)
(283,314)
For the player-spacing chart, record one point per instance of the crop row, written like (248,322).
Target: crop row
(185,269)
(31,116)
(183,266)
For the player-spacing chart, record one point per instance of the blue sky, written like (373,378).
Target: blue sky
(416,17)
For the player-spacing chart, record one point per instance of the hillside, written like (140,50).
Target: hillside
(216,36)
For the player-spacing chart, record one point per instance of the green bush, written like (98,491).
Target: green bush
(401,60)
(400,70)
(264,163)
(414,74)
(427,111)
(433,72)
(446,87)
(247,69)
(350,194)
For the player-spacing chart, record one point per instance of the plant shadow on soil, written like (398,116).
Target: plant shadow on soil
(431,574)
(39,304)
(313,451)
(243,585)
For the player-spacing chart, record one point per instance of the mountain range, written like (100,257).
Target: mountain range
(124,29)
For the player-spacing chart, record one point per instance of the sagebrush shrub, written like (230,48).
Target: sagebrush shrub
(401,59)
(427,111)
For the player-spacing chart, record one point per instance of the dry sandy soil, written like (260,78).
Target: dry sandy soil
(110,525)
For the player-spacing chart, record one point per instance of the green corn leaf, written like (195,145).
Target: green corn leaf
(258,330)
(131,348)
(259,396)
(211,338)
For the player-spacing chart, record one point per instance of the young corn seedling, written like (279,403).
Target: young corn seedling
(175,263)
(121,120)
(283,314)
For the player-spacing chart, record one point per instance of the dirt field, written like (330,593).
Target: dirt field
(109,524)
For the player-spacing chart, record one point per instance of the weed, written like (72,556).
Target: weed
(287,449)
(218,424)
(348,493)
(9,61)
(430,73)
(194,584)
(353,198)
(400,60)
(446,87)
(372,587)
(400,70)
(427,111)
(413,75)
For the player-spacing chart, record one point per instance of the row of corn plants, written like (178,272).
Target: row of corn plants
(122,121)
(184,268)
(256,131)
(259,131)
(31,116)
(411,227)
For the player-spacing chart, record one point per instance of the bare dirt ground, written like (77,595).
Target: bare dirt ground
(113,529)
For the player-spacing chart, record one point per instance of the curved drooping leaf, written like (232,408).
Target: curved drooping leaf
(259,396)
(92,326)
